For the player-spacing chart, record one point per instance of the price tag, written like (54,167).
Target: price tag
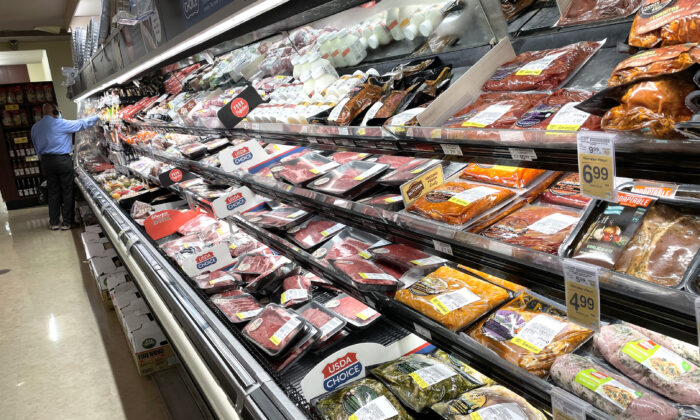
(596,164)
(451,149)
(522,154)
(582,294)
(567,407)
(442,247)
(422,331)
(12,107)
(19,140)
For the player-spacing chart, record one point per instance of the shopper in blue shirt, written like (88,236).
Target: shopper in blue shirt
(53,141)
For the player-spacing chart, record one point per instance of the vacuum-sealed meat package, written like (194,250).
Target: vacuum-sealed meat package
(408,171)
(490,402)
(365,275)
(257,263)
(296,290)
(303,169)
(274,329)
(197,224)
(566,191)
(558,112)
(279,218)
(345,157)
(509,176)
(542,228)
(665,23)
(511,8)
(541,70)
(495,110)
(349,108)
(314,231)
(326,321)
(240,243)
(403,256)
(349,179)
(354,312)
(586,11)
(393,161)
(530,333)
(386,201)
(451,297)
(218,281)
(370,400)
(238,308)
(653,63)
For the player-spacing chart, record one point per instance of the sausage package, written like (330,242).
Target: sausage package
(586,11)
(665,23)
(654,63)
(566,191)
(509,176)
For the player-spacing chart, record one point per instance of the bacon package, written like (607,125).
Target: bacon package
(354,312)
(495,110)
(238,308)
(279,218)
(314,231)
(296,290)
(218,281)
(509,176)
(451,297)
(530,333)
(542,228)
(557,112)
(654,63)
(408,171)
(457,203)
(541,70)
(274,329)
(666,23)
(585,11)
(365,275)
(350,179)
(386,201)
(566,192)
(303,169)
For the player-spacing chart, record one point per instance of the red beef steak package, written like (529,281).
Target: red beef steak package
(314,231)
(350,179)
(356,313)
(274,329)
(365,275)
(302,169)
(238,308)
(325,320)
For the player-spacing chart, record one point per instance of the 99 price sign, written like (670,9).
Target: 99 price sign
(596,164)
(582,294)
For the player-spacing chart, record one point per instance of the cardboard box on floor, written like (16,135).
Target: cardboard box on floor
(93,229)
(148,344)
(111,281)
(102,267)
(99,249)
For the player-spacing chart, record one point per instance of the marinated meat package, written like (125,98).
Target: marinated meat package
(494,401)
(530,333)
(218,281)
(387,201)
(458,203)
(652,107)
(393,161)
(314,231)
(257,263)
(648,363)
(476,379)
(303,169)
(238,308)
(586,11)
(326,321)
(408,171)
(541,70)
(683,349)
(354,312)
(557,112)
(653,63)
(566,192)
(614,394)
(363,399)
(538,227)
(274,329)
(350,179)
(241,243)
(495,110)
(297,289)
(193,150)
(420,381)
(403,256)
(451,297)
(509,176)
(365,275)
(197,224)
(279,218)
(351,107)
(610,232)
(345,157)
(663,248)
(346,244)
(511,8)
(665,23)
(513,287)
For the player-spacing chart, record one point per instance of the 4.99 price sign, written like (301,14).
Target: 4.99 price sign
(582,294)
(596,164)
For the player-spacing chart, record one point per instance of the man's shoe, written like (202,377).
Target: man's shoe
(54,227)
(66,227)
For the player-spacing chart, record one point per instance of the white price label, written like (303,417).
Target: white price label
(343,131)
(566,406)
(522,154)
(422,331)
(451,149)
(582,294)
(442,247)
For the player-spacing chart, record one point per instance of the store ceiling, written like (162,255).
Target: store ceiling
(20,18)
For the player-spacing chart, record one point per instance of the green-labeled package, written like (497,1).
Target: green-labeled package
(366,399)
(476,378)
(488,403)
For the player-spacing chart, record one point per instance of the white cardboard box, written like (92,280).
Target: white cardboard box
(148,344)
(93,228)
(99,249)
(111,281)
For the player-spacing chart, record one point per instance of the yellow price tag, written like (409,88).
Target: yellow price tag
(582,294)
(421,383)
(362,316)
(596,164)
(437,303)
(12,107)
(364,254)
(275,340)
(475,416)
(526,345)
(19,140)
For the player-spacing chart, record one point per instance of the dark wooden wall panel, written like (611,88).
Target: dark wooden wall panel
(14,74)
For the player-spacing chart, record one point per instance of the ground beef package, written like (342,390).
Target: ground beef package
(408,171)
(387,201)
(354,312)
(490,402)
(453,298)
(530,333)
(326,321)
(557,112)
(350,179)
(365,275)
(238,308)
(495,110)
(218,281)
(541,70)
(666,23)
(366,399)
(458,203)
(566,191)
(509,176)
(279,218)
(586,11)
(654,63)
(314,231)
(274,329)
(296,290)
(303,169)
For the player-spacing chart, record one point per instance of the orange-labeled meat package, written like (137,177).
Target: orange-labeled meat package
(513,287)
(530,332)
(457,203)
(586,11)
(666,22)
(451,297)
(658,62)
(541,70)
(557,112)
(510,176)
(538,227)
(652,107)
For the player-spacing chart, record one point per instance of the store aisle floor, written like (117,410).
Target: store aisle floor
(62,354)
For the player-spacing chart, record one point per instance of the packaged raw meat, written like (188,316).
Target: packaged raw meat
(653,63)
(240,243)
(403,256)
(612,393)
(652,107)
(557,112)
(665,23)
(566,191)
(542,228)
(365,275)
(408,171)
(257,263)
(140,210)
(475,378)
(274,329)
(364,399)
(490,402)
(349,179)
(303,169)
(215,145)
(352,106)
(193,150)
(218,281)
(267,282)
(513,287)
(197,224)
(585,11)
(345,157)
(184,246)
(328,323)
(393,161)
(541,70)
(228,293)
(510,176)
(530,333)
(663,248)
(389,201)
(314,231)
(238,308)
(296,290)
(648,363)
(451,297)
(496,216)
(511,8)
(354,312)
(299,349)
(279,218)
(420,381)
(458,203)
(495,110)
(346,244)
(687,351)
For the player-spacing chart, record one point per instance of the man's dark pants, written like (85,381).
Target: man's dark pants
(58,171)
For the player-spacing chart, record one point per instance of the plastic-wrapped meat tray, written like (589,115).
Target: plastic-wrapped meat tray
(240,243)
(365,275)
(354,312)
(509,176)
(216,145)
(408,171)
(197,224)
(279,218)
(218,281)
(193,150)
(350,179)
(345,157)
(494,110)
(342,246)
(557,112)
(274,329)
(314,231)
(566,191)
(393,161)
(326,321)
(403,256)
(302,169)
(257,263)
(387,201)
(296,290)
(268,282)
(299,349)
(239,308)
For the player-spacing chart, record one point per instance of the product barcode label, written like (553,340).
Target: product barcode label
(324,168)
(393,199)
(487,116)
(534,68)
(284,331)
(471,195)
(219,280)
(330,326)
(376,276)
(428,261)
(451,149)
(431,375)
(378,409)
(568,118)
(538,333)
(522,154)
(553,223)
(333,229)
(248,314)
(371,112)
(296,214)
(507,411)
(293,294)
(442,247)
(366,313)
(333,116)
(454,300)
(369,172)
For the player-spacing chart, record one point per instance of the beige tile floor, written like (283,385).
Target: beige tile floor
(62,355)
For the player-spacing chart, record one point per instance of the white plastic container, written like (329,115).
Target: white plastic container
(433,17)
(380,36)
(411,30)
(308,82)
(336,49)
(393,24)
(322,79)
(315,61)
(353,52)
(324,42)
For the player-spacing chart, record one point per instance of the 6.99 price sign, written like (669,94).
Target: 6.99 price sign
(596,164)
(582,294)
